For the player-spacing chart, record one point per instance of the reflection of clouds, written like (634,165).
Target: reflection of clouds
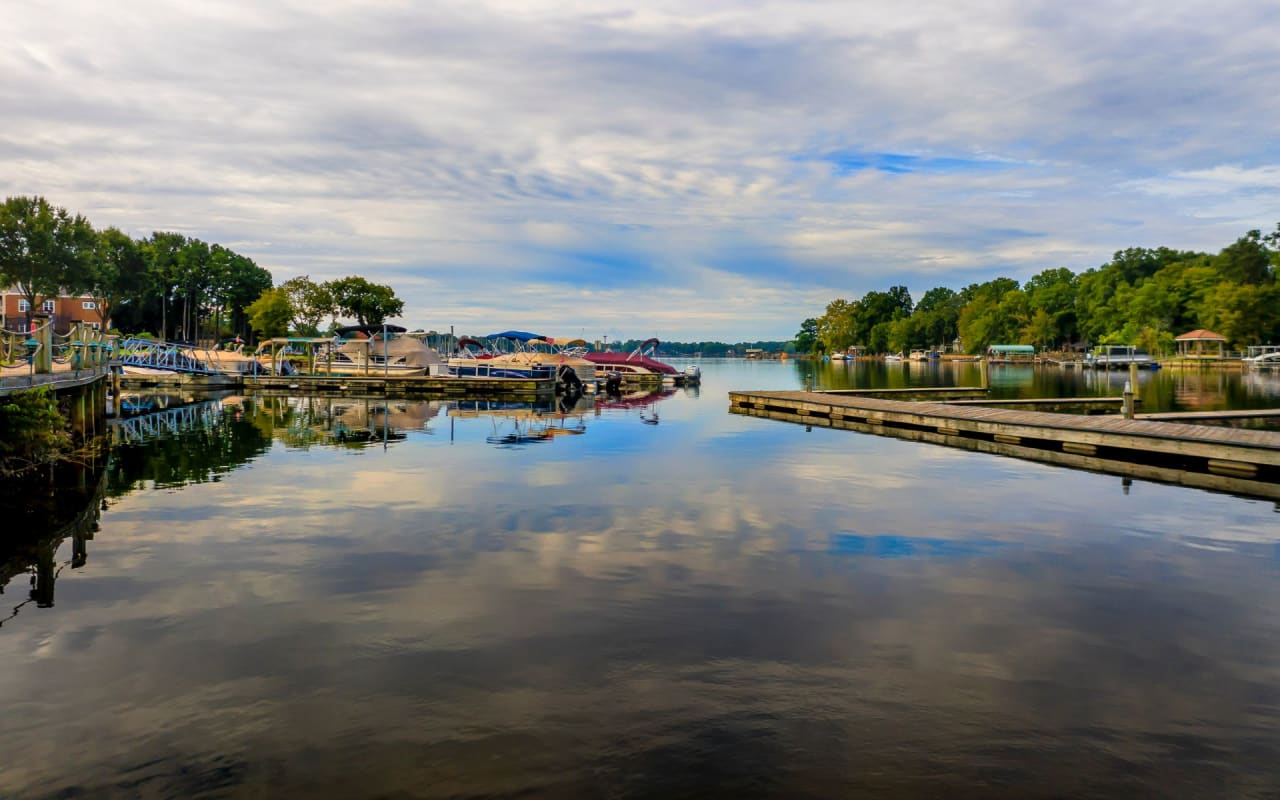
(427,617)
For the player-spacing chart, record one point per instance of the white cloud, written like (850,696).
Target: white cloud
(462,150)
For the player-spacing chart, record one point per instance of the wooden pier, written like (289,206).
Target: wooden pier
(1239,461)
(402,387)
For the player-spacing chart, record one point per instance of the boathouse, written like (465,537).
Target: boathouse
(1201,344)
(1011,352)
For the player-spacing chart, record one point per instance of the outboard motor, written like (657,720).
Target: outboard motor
(613,383)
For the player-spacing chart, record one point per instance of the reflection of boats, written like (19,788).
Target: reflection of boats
(637,365)
(516,424)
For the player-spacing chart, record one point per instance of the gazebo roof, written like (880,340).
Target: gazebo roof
(1201,335)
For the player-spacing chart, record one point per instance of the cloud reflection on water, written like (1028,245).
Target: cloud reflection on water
(709,612)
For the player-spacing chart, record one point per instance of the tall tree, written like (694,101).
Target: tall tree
(116,272)
(807,339)
(369,303)
(270,314)
(44,251)
(311,303)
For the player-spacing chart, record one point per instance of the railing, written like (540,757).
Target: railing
(154,354)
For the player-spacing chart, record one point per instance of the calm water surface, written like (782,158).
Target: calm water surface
(654,599)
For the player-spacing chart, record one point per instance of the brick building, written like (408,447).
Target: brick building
(66,311)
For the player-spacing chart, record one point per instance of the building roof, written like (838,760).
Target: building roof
(1202,335)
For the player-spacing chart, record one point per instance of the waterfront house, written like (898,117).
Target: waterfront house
(65,311)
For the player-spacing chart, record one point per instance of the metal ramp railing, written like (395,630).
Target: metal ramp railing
(154,354)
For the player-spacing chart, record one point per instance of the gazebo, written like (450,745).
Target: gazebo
(1201,344)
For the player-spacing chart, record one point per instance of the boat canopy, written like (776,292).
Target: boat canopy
(1012,349)
(519,336)
(369,330)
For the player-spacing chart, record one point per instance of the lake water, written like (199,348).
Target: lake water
(317,598)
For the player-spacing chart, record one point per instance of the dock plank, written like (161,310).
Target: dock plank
(1169,437)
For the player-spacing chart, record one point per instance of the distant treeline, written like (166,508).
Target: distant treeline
(708,349)
(1141,296)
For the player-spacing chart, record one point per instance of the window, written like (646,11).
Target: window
(23,306)
(47,306)
(95,326)
(88,305)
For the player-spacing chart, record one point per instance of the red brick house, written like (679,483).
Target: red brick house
(66,311)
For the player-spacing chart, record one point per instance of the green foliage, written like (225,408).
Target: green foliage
(807,340)
(311,303)
(271,313)
(1141,296)
(43,249)
(31,430)
(369,303)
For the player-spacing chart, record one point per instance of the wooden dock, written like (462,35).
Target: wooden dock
(1234,460)
(402,387)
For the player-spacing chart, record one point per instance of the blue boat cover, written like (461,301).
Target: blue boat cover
(519,336)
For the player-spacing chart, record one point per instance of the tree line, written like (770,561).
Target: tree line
(180,287)
(1144,297)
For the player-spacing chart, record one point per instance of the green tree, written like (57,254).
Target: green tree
(117,272)
(311,303)
(807,339)
(44,251)
(836,325)
(369,303)
(271,313)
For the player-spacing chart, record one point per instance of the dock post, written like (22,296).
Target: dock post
(1133,377)
(808,383)
(1128,400)
(982,375)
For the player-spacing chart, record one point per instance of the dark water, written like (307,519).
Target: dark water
(658,599)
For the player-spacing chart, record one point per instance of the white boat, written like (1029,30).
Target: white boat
(1264,361)
(690,376)
(893,358)
(1119,355)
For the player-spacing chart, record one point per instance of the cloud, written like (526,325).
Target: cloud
(678,160)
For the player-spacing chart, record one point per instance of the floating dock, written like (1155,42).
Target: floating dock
(1240,461)
(402,387)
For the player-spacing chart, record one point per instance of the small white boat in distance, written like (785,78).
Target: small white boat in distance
(1264,361)
(893,358)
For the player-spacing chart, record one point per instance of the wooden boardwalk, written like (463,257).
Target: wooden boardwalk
(1229,459)
(518,389)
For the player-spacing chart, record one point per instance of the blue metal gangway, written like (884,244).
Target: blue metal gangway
(155,354)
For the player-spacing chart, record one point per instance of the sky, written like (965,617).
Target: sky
(711,170)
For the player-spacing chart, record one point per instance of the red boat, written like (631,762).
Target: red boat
(636,365)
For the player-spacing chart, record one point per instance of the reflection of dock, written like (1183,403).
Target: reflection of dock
(170,422)
(1230,459)
(35,552)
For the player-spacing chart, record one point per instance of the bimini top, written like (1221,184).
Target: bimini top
(1013,349)
(519,336)
(368,330)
